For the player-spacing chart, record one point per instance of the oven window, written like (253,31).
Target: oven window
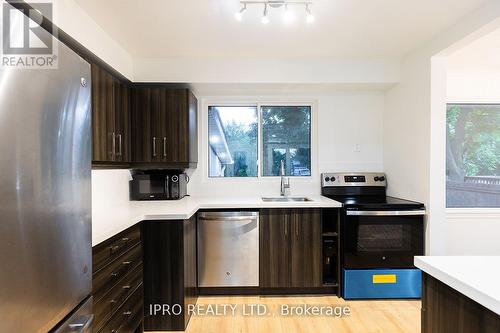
(385,237)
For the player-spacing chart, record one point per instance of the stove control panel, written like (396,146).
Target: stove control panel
(353,179)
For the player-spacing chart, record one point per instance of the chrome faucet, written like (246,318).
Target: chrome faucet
(285,182)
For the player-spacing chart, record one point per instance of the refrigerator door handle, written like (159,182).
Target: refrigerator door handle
(82,327)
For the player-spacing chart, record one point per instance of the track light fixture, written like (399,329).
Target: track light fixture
(265,18)
(239,15)
(309,16)
(287,14)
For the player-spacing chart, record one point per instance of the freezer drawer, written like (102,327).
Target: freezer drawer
(382,283)
(228,249)
(80,321)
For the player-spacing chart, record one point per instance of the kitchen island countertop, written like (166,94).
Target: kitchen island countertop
(476,277)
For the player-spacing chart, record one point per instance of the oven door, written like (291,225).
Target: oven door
(382,239)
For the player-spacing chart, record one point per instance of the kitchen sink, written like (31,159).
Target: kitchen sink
(286,199)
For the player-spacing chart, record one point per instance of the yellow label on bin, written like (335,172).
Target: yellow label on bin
(384,278)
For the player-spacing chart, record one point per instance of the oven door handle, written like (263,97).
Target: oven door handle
(386,212)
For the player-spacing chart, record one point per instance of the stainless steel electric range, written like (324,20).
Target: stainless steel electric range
(379,236)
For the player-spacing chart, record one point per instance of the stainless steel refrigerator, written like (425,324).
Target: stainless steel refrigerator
(45,197)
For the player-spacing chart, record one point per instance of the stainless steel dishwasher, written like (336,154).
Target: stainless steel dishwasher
(228,249)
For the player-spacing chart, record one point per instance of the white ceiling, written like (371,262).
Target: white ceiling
(207,28)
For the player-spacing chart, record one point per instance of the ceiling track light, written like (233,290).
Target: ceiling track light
(309,15)
(265,18)
(273,4)
(239,15)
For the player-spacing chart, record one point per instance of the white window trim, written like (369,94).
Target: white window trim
(257,102)
(473,212)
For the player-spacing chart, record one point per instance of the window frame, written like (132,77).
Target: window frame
(258,103)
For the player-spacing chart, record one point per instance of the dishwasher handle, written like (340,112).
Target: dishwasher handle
(232,218)
(228,216)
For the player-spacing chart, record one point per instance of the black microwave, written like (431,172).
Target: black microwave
(158,186)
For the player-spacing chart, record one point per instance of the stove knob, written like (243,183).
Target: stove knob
(382,178)
(332,179)
(383,258)
(376,178)
(327,179)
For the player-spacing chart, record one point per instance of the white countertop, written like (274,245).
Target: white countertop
(475,277)
(108,222)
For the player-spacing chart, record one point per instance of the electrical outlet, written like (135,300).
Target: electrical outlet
(357,148)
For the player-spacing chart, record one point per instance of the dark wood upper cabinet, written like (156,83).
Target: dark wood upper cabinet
(164,131)
(110,119)
(290,248)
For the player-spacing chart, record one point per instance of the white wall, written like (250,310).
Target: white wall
(472,232)
(414,133)
(109,190)
(230,70)
(473,86)
(73,20)
(343,119)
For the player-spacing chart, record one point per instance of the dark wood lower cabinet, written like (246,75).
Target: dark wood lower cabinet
(117,283)
(169,273)
(290,250)
(274,252)
(445,310)
(305,249)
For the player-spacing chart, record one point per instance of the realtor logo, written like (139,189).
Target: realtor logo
(25,44)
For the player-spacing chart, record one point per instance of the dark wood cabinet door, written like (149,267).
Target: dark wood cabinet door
(103,115)
(274,252)
(305,249)
(156,126)
(122,121)
(176,128)
(192,142)
(190,267)
(169,271)
(142,133)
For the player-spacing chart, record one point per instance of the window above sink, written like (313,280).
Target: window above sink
(250,141)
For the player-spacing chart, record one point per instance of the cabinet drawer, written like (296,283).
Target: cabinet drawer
(105,279)
(382,283)
(107,251)
(111,301)
(128,316)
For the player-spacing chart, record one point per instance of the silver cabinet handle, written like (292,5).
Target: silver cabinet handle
(386,212)
(296,228)
(286,228)
(82,327)
(119,145)
(154,146)
(164,146)
(113,144)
